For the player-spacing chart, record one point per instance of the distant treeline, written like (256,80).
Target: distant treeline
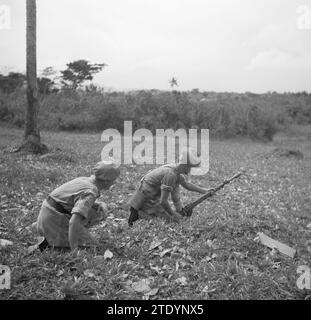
(257,116)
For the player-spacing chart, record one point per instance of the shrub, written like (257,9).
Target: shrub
(224,114)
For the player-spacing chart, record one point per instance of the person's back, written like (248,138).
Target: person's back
(160,175)
(71,209)
(68,193)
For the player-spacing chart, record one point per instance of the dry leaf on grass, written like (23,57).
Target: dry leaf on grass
(32,249)
(59,273)
(155,244)
(206,289)
(108,254)
(35,247)
(99,259)
(88,273)
(182,281)
(209,243)
(164,252)
(141,286)
(156,269)
(5,243)
(152,292)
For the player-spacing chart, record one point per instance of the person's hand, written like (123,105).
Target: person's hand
(175,217)
(186,212)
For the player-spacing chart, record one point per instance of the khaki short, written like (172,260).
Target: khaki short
(54,226)
(146,200)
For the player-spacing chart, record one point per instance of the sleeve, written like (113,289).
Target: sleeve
(168,182)
(83,205)
(183,178)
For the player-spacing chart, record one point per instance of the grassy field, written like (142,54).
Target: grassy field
(212,255)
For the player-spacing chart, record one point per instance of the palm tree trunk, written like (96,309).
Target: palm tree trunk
(32,134)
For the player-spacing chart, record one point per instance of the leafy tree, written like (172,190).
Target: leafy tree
(12,81)
(48,81)
(173,82)
(15,80)
(48,72)
(80,71)
(46,85)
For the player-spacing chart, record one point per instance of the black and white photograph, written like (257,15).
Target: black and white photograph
(155,155)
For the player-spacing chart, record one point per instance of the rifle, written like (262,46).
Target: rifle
(187,210)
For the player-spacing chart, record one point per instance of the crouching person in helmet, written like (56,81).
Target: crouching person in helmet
(71,209)
(151,199)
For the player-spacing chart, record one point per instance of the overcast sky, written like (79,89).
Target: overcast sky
(213,45)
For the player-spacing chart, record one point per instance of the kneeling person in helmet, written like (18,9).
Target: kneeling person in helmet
(71,209)
(151,197)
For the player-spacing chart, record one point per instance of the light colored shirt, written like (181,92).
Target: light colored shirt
(77,196)
(163,178)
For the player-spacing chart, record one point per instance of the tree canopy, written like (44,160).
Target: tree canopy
(80,71)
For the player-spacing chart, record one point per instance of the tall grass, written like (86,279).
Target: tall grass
(224,114)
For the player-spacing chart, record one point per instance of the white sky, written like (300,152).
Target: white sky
(213,45)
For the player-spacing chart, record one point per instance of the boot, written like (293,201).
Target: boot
(133,216)
(43,245)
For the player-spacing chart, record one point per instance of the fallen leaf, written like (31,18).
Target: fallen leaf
(128,285)
(182,250)
(276,265)
(156,269)
(189,258)
(59,273)
(152,292)
(31,249)
(99,259)
(154,245)
(239,254)
(108,254)
(88,273)
(141,286)
(207,290)
(164,252)
(182,281)
(209,243)
(5,243)
(273,252)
